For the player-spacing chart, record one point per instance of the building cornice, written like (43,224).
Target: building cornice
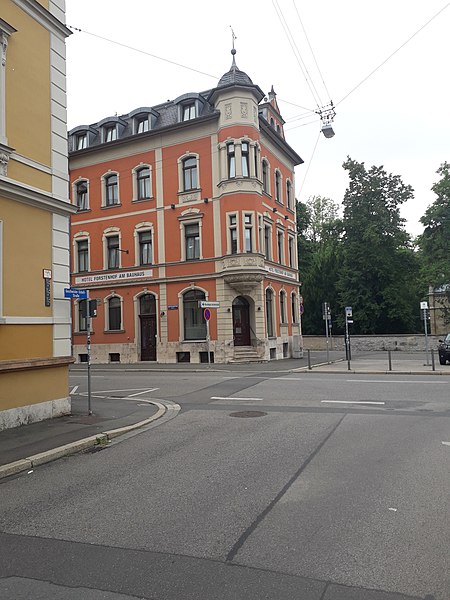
(43,16)
(20,192)
(279,141)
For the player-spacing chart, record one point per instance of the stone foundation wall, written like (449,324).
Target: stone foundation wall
(367,343)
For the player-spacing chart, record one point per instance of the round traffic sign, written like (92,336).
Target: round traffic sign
(207,314)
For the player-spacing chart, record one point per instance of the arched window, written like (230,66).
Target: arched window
(82,195)
(282,307)
(114,314)
(294,307)
(190,179)
(143,183)
(194,323)
(289,202)
(111,190)
(265,176)
(277,186)
(147,304)
(269,312)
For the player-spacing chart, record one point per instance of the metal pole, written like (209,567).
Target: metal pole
(433,366)
(207,337)
(88,330)
(390,360)
(347,342)
(309,359)
(425,324)
(326,333)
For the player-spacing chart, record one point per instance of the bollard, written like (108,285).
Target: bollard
(309,360)
(390,360)
(433,367)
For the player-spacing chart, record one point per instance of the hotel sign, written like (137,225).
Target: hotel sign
(282,272)
(119,277)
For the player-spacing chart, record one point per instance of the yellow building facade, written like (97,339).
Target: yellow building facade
(35,333)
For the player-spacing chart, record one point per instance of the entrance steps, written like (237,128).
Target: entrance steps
(246,354)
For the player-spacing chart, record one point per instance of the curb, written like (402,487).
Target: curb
(30,462)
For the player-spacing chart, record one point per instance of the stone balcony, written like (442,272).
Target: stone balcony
(243,272)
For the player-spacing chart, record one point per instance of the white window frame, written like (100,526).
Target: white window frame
(269,255)
(106,311)
(81,236)
(230,228)
(142,118)
(103,186)
(180,162)
(134,175)
(109,127)
(266,162)
(280,259)
(278,177)
(283,315)
(142,228)
(250,227)
(291,244)
(75,191)
(289,194)
(111,232)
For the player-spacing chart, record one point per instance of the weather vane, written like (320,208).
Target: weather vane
(233,36)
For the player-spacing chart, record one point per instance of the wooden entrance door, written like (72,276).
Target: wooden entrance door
(148,337)
(147,317)
(241,322)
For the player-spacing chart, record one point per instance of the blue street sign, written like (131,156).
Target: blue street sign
(73,293)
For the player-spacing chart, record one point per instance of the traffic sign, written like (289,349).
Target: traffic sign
(208,304)
(207,314)
(348,311)
(423,305)
(74,293)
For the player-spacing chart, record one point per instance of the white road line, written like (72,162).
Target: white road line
(446,443)
(351,402)
(394,381)
(144,392)
(289,378)
(84,375)
(232,398)
(125,390)
(74,389)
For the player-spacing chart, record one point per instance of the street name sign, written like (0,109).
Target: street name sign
(74,293)
(209,304)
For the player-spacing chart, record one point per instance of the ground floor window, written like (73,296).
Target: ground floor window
(194,323)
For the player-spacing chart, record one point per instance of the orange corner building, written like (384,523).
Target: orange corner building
(181,206)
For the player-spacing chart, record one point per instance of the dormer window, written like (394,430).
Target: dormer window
(189,111)
(110,133)
(142,125)
(81,141)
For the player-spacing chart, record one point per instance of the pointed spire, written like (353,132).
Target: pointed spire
(233,50)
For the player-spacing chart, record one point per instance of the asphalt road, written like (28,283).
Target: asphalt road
(319,488)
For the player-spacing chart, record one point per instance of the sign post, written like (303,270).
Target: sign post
(207,316)
(88,309)
(326,315)
(425,317)
(348,319)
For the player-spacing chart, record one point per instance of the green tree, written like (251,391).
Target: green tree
(434,243)
(318,229)
(379,271)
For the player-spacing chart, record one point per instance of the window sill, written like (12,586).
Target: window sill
(138,200)
(194,341)
(114,331)
(111,205)
(83,210)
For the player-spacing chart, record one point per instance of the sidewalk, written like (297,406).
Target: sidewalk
(23,447)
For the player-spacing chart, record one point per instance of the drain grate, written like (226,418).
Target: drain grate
(248,414)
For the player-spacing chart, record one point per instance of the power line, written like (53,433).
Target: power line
(312,52)
(393,53)
(297,54)
(172,62)
(310,161)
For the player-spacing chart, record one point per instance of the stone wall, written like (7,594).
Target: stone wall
(366,343)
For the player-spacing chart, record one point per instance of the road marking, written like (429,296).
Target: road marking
(74,389)
(289,378)
(351,402)
(446,443)
(144,392)
(394,381)
(92,376)
(125,390)
(232,398)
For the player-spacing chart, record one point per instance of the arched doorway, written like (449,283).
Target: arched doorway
(147,319)
(241,322)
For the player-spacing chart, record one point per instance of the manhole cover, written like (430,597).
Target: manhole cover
(246,414)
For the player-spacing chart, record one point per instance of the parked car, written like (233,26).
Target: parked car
(444,349)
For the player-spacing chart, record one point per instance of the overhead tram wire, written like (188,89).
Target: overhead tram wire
(393,53)
(172,62)
(297,54)
(312,51)
(309,164)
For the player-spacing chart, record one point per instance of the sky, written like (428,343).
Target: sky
(393,115)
